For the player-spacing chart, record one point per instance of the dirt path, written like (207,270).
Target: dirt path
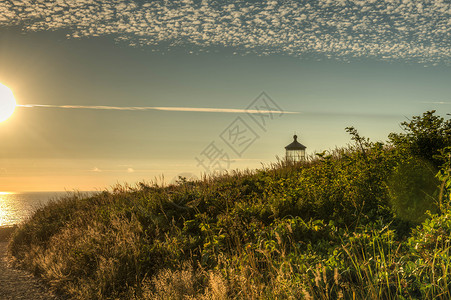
(18,284)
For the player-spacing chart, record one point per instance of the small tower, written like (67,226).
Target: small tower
(295,150)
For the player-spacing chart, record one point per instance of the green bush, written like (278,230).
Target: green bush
(414,189)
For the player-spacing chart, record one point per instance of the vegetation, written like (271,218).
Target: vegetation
(370,221)
(5,232)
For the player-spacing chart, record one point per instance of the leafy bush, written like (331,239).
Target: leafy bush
(413,189)
(424,136)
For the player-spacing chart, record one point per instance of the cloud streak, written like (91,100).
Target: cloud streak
(174,109)
(436,102)
(409,30)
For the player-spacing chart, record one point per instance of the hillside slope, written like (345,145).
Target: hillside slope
(367,221)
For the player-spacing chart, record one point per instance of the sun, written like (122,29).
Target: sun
(7,103)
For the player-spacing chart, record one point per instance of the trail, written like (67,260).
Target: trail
(18,284)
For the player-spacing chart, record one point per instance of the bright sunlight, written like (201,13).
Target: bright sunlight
(7,103)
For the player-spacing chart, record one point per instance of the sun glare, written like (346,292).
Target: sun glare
(7,103)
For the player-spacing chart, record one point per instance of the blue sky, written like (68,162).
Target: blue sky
(368,64)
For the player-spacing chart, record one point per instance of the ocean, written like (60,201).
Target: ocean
(17,207)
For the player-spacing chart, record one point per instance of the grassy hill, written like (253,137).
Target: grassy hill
(368,221)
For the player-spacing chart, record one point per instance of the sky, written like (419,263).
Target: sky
(122,91)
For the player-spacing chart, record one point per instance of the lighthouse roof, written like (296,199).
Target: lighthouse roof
(295,145)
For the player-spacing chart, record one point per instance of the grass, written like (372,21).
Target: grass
(6,232)
(337,226)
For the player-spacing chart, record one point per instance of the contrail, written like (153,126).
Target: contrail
(183,109)
(436,102)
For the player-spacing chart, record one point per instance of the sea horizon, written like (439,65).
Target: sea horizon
(6,192)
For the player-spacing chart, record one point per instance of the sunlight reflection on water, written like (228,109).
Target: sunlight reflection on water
(17,207)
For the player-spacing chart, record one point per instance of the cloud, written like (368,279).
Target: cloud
(95,169)
(130,170)
(144,108)
(409,30)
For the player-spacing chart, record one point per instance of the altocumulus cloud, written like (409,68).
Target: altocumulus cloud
(409,30)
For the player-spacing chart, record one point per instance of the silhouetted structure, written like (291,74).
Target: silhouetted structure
(295,151)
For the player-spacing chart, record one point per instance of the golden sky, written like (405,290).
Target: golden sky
(123,92)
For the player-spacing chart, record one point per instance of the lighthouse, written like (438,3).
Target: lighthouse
(295,151)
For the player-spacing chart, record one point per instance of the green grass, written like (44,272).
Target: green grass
(339,225)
